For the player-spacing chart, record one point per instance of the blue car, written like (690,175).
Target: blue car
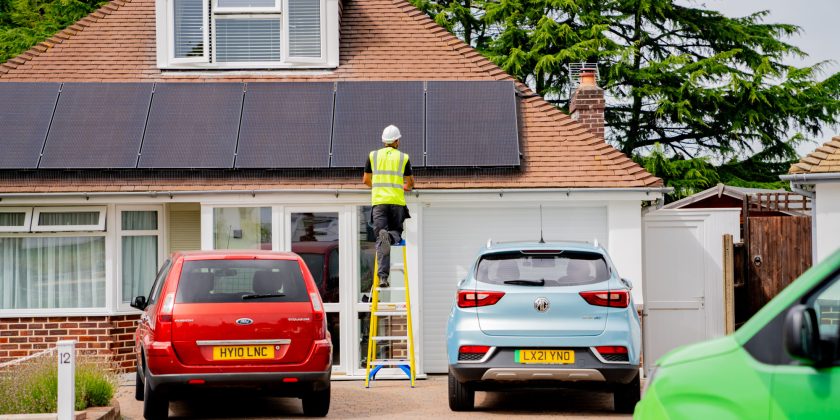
(543,315)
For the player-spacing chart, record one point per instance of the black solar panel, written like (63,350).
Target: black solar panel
(471,124)
(286,125)
(192,125)
(364,109)
(25,113)
(97,126)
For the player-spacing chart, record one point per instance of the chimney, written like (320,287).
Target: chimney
(587,104)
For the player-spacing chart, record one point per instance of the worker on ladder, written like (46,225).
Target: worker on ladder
(388,173)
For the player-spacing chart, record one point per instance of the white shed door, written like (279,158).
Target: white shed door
(453,236)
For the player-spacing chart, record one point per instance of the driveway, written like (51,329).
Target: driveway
(390,399)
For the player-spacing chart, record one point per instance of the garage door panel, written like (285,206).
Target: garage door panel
(452,237)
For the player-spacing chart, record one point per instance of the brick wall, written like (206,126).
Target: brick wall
(829,312)
(109,336)
(587,107)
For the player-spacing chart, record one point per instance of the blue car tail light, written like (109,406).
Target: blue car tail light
(475,298)
(609,298)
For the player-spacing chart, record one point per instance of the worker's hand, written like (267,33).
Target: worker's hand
(406,188)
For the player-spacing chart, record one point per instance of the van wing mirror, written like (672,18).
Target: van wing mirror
(802,335)
(139,303)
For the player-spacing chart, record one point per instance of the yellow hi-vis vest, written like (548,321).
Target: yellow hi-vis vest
(388,166)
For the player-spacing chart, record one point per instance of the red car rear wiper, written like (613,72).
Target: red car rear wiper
(261,296)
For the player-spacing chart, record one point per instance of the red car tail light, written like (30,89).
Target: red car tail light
(474,349)
(318,311)
(165,314)
(610,298)
(611,349)
(474,298)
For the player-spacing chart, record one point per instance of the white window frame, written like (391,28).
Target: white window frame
(170,23)
(307,60)
(165,28)
(245,10)
(244,16)
(99,227)
(105,309)
(120,233)
(27,219)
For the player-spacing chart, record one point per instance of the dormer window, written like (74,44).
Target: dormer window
(247,34)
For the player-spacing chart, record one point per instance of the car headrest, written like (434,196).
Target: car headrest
(266,282)
(507,270)
(578,269)
(199,286)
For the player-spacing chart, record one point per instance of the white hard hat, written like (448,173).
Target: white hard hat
(390,134)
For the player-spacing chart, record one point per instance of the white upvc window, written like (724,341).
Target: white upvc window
(247,34)
(15,219)
(68,219)
(52,258)
(140,250)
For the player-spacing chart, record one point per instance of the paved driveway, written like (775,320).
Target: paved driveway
(393,399)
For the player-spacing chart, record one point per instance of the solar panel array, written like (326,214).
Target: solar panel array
(254,125)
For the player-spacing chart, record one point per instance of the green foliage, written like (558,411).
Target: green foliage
(690,176)
(24,23)
(32,387)
(693,80)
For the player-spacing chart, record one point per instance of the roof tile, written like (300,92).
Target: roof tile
(381,40)
(825,158)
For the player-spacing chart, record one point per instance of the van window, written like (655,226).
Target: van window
(227,281)
(564,268)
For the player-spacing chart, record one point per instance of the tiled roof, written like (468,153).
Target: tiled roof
(380,40)
(825,159)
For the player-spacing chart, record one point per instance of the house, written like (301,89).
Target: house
(817,175)
(153,127)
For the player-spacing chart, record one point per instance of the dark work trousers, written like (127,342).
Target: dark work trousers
(388,218)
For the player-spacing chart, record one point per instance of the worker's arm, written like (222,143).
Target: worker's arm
(368,179)
(409,183)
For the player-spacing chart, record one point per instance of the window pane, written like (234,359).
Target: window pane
(239,40)
(139,264)
(315,239)
(12,219)
(305,28)
(246,3)
(334,327)
(189,28)
(242,228)
(139,220)
(52,272)
(367,254)
(228,281)
(80,218)
(566,269)
(387,326)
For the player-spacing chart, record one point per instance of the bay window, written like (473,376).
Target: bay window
(242,34)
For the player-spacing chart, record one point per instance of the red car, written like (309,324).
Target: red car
(233,319)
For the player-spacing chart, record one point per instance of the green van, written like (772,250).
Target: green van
(784,363)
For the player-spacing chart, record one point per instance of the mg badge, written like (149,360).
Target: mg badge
(541,304)
(244,321)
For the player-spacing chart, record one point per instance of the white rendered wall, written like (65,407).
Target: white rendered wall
(827,210)
(624,221)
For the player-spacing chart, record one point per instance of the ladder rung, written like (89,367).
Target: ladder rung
(389,337)
(389,313)
(392,304)
(389,289)
(389,362)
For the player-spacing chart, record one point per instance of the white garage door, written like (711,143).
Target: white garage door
(453,236)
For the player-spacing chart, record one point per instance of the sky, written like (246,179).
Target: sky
(819,37)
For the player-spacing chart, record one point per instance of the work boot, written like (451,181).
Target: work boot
(383,281)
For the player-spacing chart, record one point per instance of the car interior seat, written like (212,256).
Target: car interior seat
(266,282)
(507,270)
(200,287)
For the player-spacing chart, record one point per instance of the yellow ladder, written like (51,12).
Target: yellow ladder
(390,309)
